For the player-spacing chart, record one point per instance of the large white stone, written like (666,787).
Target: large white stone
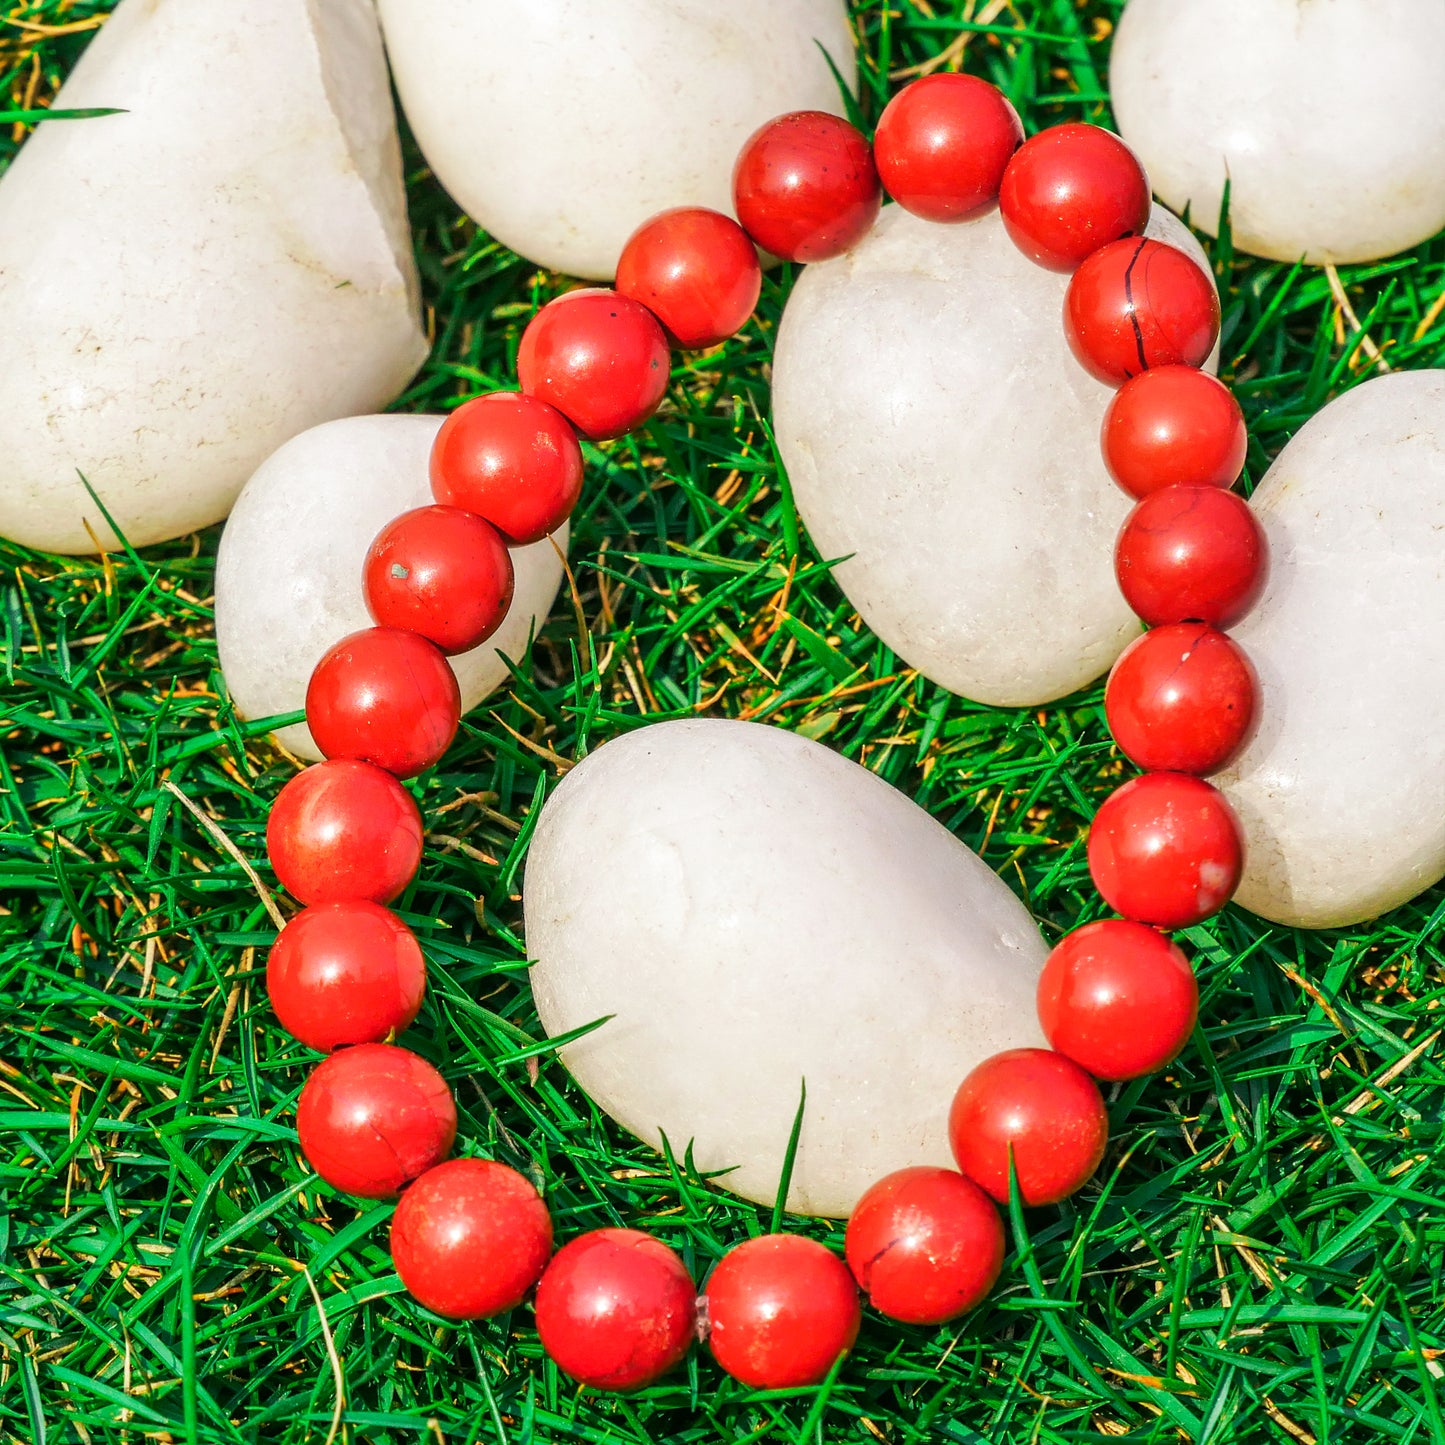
(1342,790)
(186,285)
(751,911)
(1326,116)
(288,574)
(561,125)
(940,436)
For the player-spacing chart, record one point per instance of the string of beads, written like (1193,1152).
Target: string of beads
(471,1238)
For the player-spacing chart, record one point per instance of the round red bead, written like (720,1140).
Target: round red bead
(1038,1106)
(1137,304)
(942,144)
(926,1245)
(384,696)
(805,187)
(471,1238)
(616,1309)
(781,1311)
(1166,849)
(1194,554)
(1181,699)
(1069,190)
(345,973)
(599,358)
(1174,425)
(512,460)
(374,1117)
(696,271)
(344,830)
(441,572)
(1118,999)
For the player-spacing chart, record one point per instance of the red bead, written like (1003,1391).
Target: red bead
(805,187)
(1042,1107)
(1118,999)
(616,1309)
(926,1245)
(345,973)
(442,573)
(342,831)
(1191,554)
(511,459)
(1166,849)
(1174,425)
(781,1311)
(942,145)
(1136,304)
(470,1238)
(1181,699)
(1069,190)
(386,697)
(374,1117)
(599,358)
(696,271)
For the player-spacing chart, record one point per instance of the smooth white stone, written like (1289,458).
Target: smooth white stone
(288,574)
(561,125)
(1342,790)
(1326,116)
(186,285)
(939,434)
(754,911)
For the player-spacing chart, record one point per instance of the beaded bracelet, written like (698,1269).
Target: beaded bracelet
(1117,999)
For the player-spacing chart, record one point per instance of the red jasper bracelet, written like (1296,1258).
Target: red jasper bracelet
(1117,999)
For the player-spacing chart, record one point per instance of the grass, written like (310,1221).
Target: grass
(1261,1258)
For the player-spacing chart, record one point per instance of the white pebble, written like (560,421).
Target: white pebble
(186,285)
(288,574)
(940,435)
(750,912)
(561,125)
(1327,117)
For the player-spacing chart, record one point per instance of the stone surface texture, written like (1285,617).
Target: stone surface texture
(1342,790)
(754,911)
(940,436)
(186,285)
(561,125)
(288,575)
(1326,116)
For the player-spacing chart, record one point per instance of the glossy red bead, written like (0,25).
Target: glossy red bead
(384,696)
(471,1238)
(599,358)
(781,1311)
(374,1117)
(696,271)
(1136,304)
(512,460)
(942,144)
(344,830)
(1174,426)
(805,187)
(1069,190)
(1181,699)
(1166,849)
(925,1245)
(1041,1107)
(441,572)
(345,973)
(1118,998)
(616,1309)
(1193,554)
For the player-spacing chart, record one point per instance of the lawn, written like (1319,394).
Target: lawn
(1260,1259)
